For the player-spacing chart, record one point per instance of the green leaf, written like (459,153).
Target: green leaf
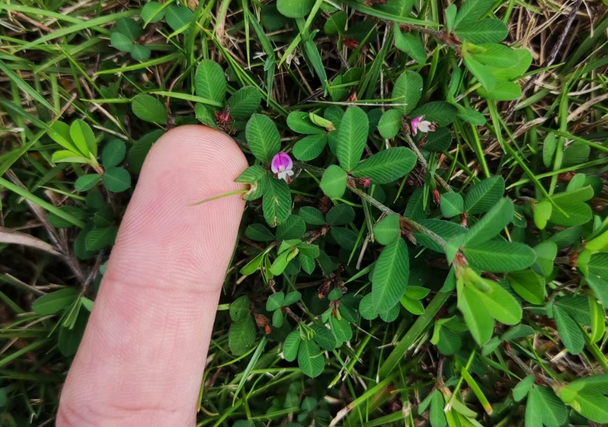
(333,182)
(55,302)
(599,287)
(209,81)
(60,133)
(129,28)
(299,122)
(259,233)
(450,17)
(86,182)
(100,238)
(295,8)
(139,151)
(484,195)
(439,141)
(205,115)
(386,166)
(488,30)
(83,137)
(366,309)
(542,212)
(439,112)
(444,229)
(310,147)
(340,215)
(241,336)
(149,109)
(387,230)
(152,12)
(598,265)
(292,298)
(390,123)
(502,91)
(548,409)
(116,179)
(475,313)
(310,359)
(179,18)
(278,319)
(576,153)
(140,52)
(275,301)
(576,212)
(277,202)
(244,102)
(529,286)
(491,224)
(239,309)
(522,389)
(501,305)
(545,256)
(499,256)
(517,69)
(344,237)
(293,228)
(312,216)
(336,23)
(341,328)
(471,11)
(598,320)
(352,137)
(263,137)
(121,42)
(291,345)
(64,156)
(390,276)
(471,116)
(452,204)
(591,405)
(410,43)
(408,91)
(113,153)
(569,331)
(308,264)
(437,412)
(496,55)
(481,73)
(412,305)
(324,337)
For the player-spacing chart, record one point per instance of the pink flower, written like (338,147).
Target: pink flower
(282,166)
(424,126)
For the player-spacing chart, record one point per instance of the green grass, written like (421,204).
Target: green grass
(57,64)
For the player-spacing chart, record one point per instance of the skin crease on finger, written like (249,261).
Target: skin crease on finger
(142,357)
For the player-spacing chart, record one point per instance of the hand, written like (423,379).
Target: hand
(142,357)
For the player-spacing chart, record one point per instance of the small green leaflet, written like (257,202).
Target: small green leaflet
(499,256)
(209,81)
(149,109)
(407,91)
(387,230)
(277,202)
(263,137)
(352,138)
(241,336)
(310,359)
(484,195)
(333,182)
(452,204)
(386,166)
(390,276)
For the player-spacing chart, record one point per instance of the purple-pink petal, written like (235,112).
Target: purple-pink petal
(415,124)
(281,162)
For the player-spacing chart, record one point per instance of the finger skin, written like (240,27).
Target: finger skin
(142,357)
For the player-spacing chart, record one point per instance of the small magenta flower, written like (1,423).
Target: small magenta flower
(424,126)
(282,166)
